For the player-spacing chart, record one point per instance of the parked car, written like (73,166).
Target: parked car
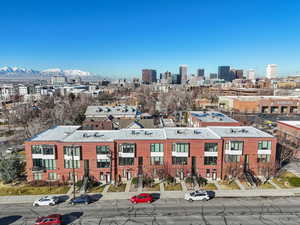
(142,198)
(54,219)
(197,195)
(83,199)
(47,200)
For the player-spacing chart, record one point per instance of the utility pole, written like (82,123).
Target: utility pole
(73,148)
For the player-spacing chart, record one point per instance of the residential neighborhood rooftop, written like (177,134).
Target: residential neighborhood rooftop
(72,134)
(116,111)
(294,123)
(212,116)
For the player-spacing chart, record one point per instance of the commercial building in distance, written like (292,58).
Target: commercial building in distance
(183,73)
(260,104)
(225,73)
(106,155)
(149,76)
(209,118)
(271,71)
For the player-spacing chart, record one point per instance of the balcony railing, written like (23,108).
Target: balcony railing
(38,168)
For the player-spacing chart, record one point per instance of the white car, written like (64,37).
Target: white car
(47,200)
(197,195)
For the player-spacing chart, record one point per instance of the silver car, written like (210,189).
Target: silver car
(196,196)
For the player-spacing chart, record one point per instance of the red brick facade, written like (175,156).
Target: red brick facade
(142,156)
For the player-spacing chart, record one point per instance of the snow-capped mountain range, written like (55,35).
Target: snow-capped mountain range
(11,71)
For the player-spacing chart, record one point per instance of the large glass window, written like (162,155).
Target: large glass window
(127,148)
(179,160)
(103,163)
(69,149)
(49,164)
(102,150)
(211,147)
(37,176)
(264,145)
(69,164)
(180,147)
(126,161)
(157,147)
(36,149)
(210,160)
(232,158)
(157,160)
(263,158)
(234,145)
(37,162)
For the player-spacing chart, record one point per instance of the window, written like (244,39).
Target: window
(211,147)
(48,149)
(179,160)
(37,176)
(264,145)
(102,150)
(232,158)
(49,164)
(37,162)
(210,160)
(180,147)
(236,145)
(36,149)
(126,161)
(52,176)
(103,163)
(207,172)
(157,147)
(127,148)
(157,160)
(69,163)
(263,158)
(69,149)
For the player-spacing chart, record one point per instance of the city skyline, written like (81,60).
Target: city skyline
(119,39)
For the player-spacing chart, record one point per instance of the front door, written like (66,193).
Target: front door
(86,168)
(214,174)
(194,170)
(107,178)
(128,175)
(140,166)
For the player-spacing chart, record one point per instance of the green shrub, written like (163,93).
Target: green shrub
(135,180)
(189,180)
(170,179)
(201,181)
(148,181)
(79,183)
(294,181)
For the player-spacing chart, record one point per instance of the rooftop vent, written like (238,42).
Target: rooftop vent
(98,134)
(179,131)
(148,132)
(134,132)
(197,132)
(85,135)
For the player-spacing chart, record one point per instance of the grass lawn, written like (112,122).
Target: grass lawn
(31,190)
(97,189)
(266,186)
(155,187)
(119,188)
(173,187)
(210,186)
(282,180)
(229,186)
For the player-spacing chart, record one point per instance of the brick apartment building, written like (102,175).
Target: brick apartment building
(212,152)
(210,118)
(260,104)
(288,134)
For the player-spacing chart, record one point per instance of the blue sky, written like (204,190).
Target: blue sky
(119,38)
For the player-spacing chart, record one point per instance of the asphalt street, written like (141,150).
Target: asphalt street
(218,211)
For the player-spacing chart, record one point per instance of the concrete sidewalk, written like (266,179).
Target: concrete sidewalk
(170,194)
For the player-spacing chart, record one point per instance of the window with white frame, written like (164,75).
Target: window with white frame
(68,164)
(263,158)
(157,160)
(52,176)
(102,149)
(127,148)
(234,145)
(264,145)
(232,158)
(181,147)
(211,147)
(157,147)
(75,150)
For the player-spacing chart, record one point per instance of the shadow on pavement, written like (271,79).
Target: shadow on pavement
(155,196)
(9,219)
(69,218)
(95,197)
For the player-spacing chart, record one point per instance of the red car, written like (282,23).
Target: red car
(142,198)
(54,219)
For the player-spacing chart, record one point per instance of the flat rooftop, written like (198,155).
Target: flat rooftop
(255,98)
(116,111)
(72,134)
(293,123)
(212,116)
